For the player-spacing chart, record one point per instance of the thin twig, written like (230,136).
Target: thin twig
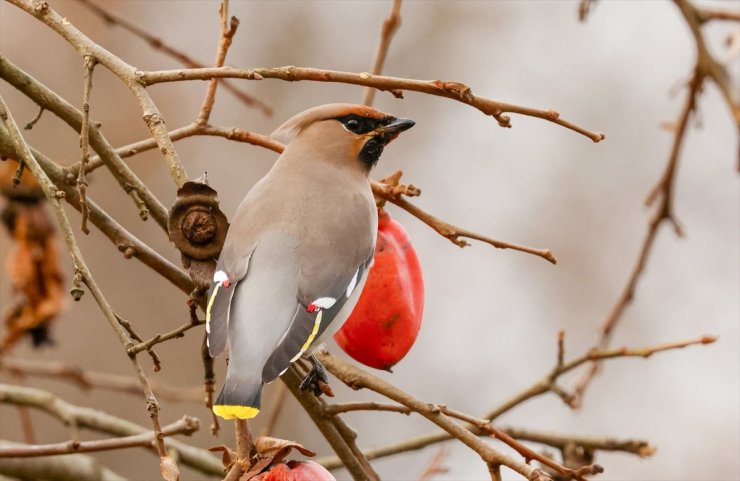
(191,130)
(391,193)
(87,380)
(187,425)
(52,195)
(276,406)
(390,25)
(77,467)
(350,437)
(436,465)
(127,73)
(228,30)
(450,90)
(51,101)
(366,406)
(85,141)
(209,382)
(24,415)
(128,244)
(708,14)
(313,407)
(158,44)
(135,337)
(173,334)
(545,385)
(98,421)
(34,120)
(455,234)
(527,453)
(358,379)
(664,212)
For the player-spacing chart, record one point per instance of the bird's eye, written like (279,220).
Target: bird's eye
(353,125)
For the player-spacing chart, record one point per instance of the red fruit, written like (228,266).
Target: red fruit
(386,320)
(296,471)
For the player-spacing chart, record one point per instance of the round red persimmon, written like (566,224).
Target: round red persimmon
(386,320)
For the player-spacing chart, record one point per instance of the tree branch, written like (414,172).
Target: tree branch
(158,44)
(86,47)
(357,379)
(87,380)
(450,90)
(52,102)
(85,142)
(228,30)
(543,386)
(128,244)
(664,212)
(77,467)
(99,421)
(81,269)
(390,25)
(187,425)
(314,407)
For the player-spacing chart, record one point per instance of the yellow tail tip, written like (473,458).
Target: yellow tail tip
(228,411)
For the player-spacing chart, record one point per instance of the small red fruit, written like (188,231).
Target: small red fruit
(386,320)
(296,471)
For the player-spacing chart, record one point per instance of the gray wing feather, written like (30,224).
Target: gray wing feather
(303,322)
(220,297)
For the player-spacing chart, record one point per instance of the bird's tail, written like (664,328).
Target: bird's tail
(239,398)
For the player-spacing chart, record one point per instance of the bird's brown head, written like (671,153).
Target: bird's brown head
(344,131)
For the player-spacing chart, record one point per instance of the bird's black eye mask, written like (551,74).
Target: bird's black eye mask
(372,149)
(358,124)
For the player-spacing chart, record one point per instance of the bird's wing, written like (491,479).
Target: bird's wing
(231,269)
(320,298)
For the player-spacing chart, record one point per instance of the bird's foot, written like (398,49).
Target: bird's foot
(317,381)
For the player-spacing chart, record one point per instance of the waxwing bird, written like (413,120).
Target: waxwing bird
(298,250)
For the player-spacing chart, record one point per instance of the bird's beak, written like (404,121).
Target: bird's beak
(390,131)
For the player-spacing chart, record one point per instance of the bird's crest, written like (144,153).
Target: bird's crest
(290,129)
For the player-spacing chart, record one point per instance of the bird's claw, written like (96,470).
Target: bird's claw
(317,381)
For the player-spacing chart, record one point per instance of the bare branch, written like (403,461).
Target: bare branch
(357,379)
(543,386)
(158,44)
(527,453)
(34,120)
(387,189)
(87,380)
(663,212)
(52,102)
(707,14)
(454,233)
(187,425)
(277,408)
(390,25)
(85,141)
(173,334)
(436,465)
(128,244)
(451,90)
(86,47)
(314,407)
(99,421)
(77,467)
(80,266)
(228,30)
(234,133)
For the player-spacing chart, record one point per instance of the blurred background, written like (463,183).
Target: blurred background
(491,316)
